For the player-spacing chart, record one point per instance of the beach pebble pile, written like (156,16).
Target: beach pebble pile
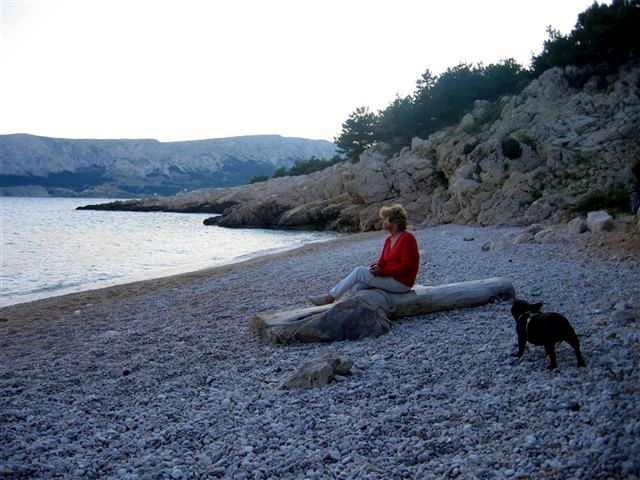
(172,386)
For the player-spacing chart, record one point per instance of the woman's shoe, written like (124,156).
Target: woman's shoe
(322,300)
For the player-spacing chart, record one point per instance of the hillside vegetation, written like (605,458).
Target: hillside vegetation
(603,39)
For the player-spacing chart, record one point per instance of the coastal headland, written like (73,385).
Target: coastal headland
(161,378)
(551,152)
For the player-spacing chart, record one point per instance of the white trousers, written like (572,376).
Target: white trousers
(361,278)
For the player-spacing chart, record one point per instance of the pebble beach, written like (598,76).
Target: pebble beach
(162,380)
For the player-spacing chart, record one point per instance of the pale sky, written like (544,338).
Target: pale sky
(189,70)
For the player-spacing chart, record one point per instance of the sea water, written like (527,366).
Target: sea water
(49,248)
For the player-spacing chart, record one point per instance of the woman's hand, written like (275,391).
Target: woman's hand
(375,270)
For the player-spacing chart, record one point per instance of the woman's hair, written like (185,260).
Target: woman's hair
(396,214)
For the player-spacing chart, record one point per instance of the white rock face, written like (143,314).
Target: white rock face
(140,163)
(599,221)
(574,143)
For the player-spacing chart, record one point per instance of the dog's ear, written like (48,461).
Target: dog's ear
(518,307)
(535,307)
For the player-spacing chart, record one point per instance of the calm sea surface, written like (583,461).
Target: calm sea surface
(49,248)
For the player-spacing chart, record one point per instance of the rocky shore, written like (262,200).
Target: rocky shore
(538,156)
(161,379)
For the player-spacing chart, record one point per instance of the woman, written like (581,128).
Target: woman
(396,269)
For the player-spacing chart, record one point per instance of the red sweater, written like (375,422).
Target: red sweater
(402,261)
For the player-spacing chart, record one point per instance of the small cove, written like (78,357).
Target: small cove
(49,248)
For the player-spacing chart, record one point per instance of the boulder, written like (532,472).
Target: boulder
(578,225)
(599,221)
(525,237)
(534,229)
(419,145)
(467,121)
(549,235)
(318,371)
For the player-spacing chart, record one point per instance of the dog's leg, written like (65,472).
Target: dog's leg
(522,343)
(572,339)
(551,351)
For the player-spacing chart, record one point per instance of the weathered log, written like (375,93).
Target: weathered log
(364,314)
(423,299)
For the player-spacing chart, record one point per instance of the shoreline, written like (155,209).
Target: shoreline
(161,274)
(68,251)
(604,244)
(70,302)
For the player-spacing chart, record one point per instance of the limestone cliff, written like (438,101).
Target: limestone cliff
(76,167)
(525,158)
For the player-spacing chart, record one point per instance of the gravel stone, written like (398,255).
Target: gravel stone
(439,396)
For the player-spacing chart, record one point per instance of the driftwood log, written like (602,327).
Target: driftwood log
(368,312)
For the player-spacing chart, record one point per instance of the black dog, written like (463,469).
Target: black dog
(543,329)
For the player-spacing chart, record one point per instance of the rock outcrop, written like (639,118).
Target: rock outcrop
(523,159)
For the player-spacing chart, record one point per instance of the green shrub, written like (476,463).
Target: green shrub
(491,115)
(511,148)
(309,166)
(259,178)
(530,142)
(604,37)
(441,178)
(522,84)
(470,147)
(280,172)
(615,201)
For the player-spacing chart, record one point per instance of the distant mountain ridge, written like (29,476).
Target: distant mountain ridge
(56,166)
